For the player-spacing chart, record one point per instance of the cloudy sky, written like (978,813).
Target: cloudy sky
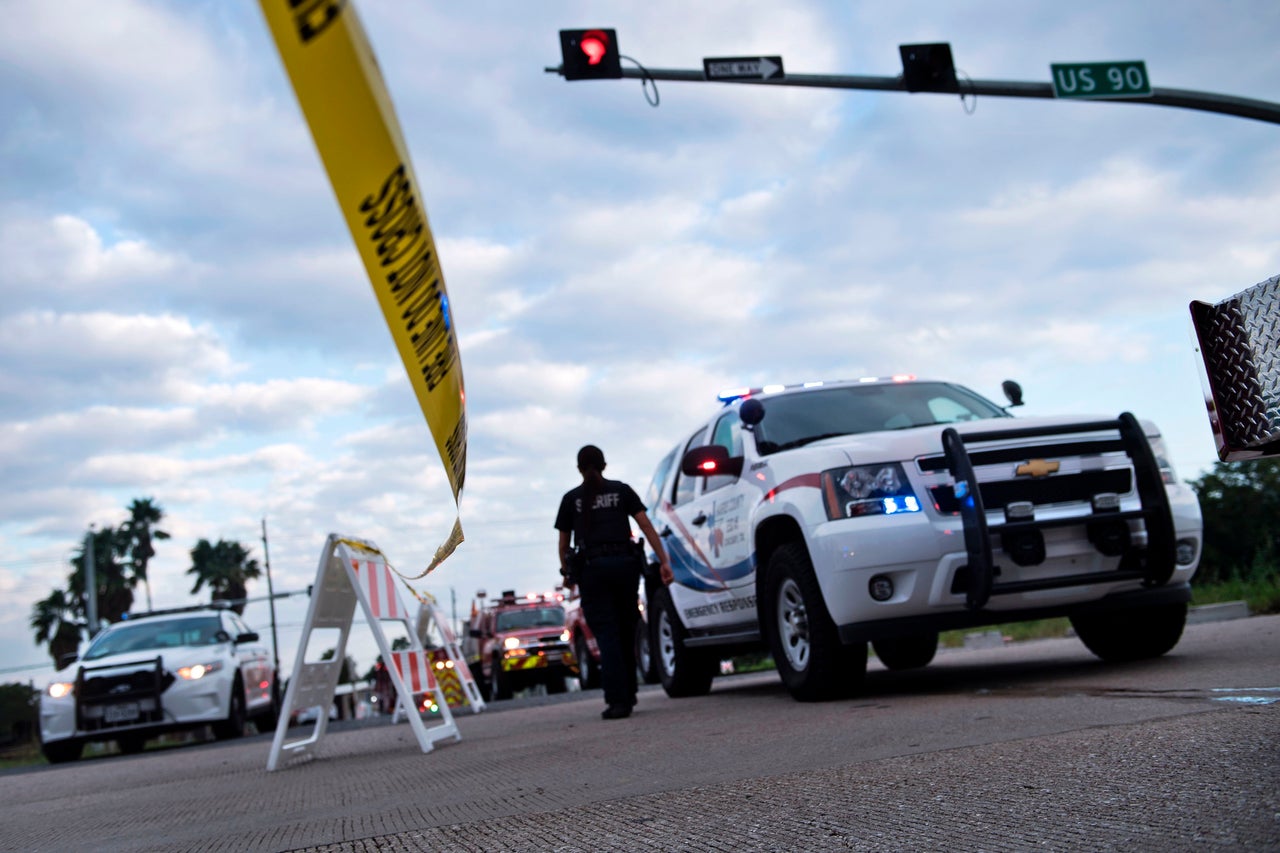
(183,315)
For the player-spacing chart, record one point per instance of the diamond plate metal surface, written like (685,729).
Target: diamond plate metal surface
(1240,346)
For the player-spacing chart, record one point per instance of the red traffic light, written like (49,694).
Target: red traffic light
(595,44)
(590,55)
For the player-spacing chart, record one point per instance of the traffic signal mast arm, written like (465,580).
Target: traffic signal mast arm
(1184,98)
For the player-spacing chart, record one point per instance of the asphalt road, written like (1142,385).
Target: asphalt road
(1028,746)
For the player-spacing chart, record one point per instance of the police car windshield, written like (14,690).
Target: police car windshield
(147,636)
(793,420)
(530,617)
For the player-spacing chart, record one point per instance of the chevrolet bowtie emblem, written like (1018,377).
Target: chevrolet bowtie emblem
(1037,468)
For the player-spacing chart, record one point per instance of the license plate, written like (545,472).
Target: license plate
(122,713)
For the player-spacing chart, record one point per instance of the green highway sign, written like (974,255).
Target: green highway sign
(1100,79)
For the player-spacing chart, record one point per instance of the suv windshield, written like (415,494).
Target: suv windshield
(530,617)
(166,634)
(792,420)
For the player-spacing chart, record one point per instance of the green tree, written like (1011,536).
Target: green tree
(17,713)
(225,568)
(54,622)
(113,577)
(139,531)
(1241,504)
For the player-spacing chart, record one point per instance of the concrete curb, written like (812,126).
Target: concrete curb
(1218,612)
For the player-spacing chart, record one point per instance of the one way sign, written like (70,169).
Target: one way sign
(743,68)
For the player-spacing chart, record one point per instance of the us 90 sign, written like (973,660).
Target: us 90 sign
(1100,80)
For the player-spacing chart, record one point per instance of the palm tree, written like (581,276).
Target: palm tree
(138,530)
(114,583)
(226,567)
(54,622)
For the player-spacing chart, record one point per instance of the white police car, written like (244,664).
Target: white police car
(809,520)
(160,672)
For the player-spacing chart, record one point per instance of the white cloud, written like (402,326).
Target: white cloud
(64,255)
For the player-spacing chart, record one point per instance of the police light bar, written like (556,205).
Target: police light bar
(732,395)
(736,394)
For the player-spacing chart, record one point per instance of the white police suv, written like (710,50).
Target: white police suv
(809,520)
(160,672)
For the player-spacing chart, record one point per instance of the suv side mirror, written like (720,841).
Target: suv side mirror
(476,632)
(67,659)
(709,461)
(247,637)
(1012,392)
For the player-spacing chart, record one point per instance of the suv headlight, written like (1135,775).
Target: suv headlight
(867,490)
(511,643)
(198,671)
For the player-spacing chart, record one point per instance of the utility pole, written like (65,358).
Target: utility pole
(271,596)
(90,584)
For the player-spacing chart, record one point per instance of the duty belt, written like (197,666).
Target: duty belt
(610,549)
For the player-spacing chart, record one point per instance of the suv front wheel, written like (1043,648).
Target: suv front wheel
(811,660)
(1132,634)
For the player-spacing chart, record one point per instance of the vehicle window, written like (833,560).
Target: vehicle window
(727,434)
(685,485)
(657,486)
(946,410)
(147,636)
(793,420)
(237,625)
(530,617)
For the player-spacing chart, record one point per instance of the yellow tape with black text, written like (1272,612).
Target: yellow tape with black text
(335,76)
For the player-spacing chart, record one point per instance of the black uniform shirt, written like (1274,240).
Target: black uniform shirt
(614,505)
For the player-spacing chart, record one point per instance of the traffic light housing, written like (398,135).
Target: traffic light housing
(928,67)
(590,55)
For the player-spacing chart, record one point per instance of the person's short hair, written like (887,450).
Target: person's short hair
(590,458)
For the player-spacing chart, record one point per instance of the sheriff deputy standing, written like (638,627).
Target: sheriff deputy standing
(597,515)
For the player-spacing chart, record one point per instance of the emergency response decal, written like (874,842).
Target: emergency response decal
(690,564)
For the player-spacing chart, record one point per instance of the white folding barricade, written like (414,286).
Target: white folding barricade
(433,631)
(354,571)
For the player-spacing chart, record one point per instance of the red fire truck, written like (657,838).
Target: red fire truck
(514,643)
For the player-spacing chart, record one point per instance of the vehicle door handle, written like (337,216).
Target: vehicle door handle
(700,519)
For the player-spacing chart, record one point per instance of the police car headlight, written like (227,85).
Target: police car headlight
(867,490)
(59,689)
(198,671)
(564,635)
(511,643)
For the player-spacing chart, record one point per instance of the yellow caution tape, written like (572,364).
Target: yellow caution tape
(340,89)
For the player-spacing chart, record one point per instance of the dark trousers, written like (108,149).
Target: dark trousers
(609,587)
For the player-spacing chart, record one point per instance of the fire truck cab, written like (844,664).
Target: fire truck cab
(514,643)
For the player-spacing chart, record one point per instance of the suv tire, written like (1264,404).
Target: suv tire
(646,660)
(1129,634)
(682,670)
(814,665)
(906,652)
